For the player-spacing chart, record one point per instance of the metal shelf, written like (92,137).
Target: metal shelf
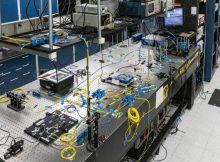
(45,51)
(40,51)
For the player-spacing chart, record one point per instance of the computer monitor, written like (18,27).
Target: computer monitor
(174,18)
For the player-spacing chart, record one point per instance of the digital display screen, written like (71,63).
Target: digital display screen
(174,17)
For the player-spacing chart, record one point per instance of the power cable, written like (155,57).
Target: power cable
(26,10)
(165,157)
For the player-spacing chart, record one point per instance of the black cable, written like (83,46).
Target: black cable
(176,129)
(129,66)
(68,11)
(165,155)
(61,13)
(24,139)
(62,66)
(7,137)
(45,7)
(68,107)
(202,93)
(37,12)
(56,69)
(26,10)
(13,140)
(35,7)
(41,15)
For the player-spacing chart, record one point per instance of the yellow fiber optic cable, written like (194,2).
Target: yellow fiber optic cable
(87,78)
(4,99)
(133,115)
(19,90)
(72,102)
(148,107)
(68,153)
(67,137)
(133,120)
(15,39)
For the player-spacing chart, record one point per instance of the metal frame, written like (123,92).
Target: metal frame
(50,24)
(0,18)
(99,19)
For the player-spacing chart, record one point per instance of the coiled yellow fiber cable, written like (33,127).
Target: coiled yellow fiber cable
(68,153)
(67,137)
(133,115)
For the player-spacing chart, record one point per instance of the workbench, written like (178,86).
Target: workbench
(182,76)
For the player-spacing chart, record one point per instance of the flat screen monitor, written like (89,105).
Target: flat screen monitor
(174,18)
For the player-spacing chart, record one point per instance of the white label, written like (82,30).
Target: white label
(26,73)
(14,79)
(159,97)
(19,69)
(193,10)
(4,74)
(25,56)
(26,65)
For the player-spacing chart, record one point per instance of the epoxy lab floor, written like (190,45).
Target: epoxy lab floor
(199,137)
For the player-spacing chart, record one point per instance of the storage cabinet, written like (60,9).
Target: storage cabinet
(211,47)
(17,72)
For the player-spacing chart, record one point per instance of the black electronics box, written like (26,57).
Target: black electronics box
(57,82)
